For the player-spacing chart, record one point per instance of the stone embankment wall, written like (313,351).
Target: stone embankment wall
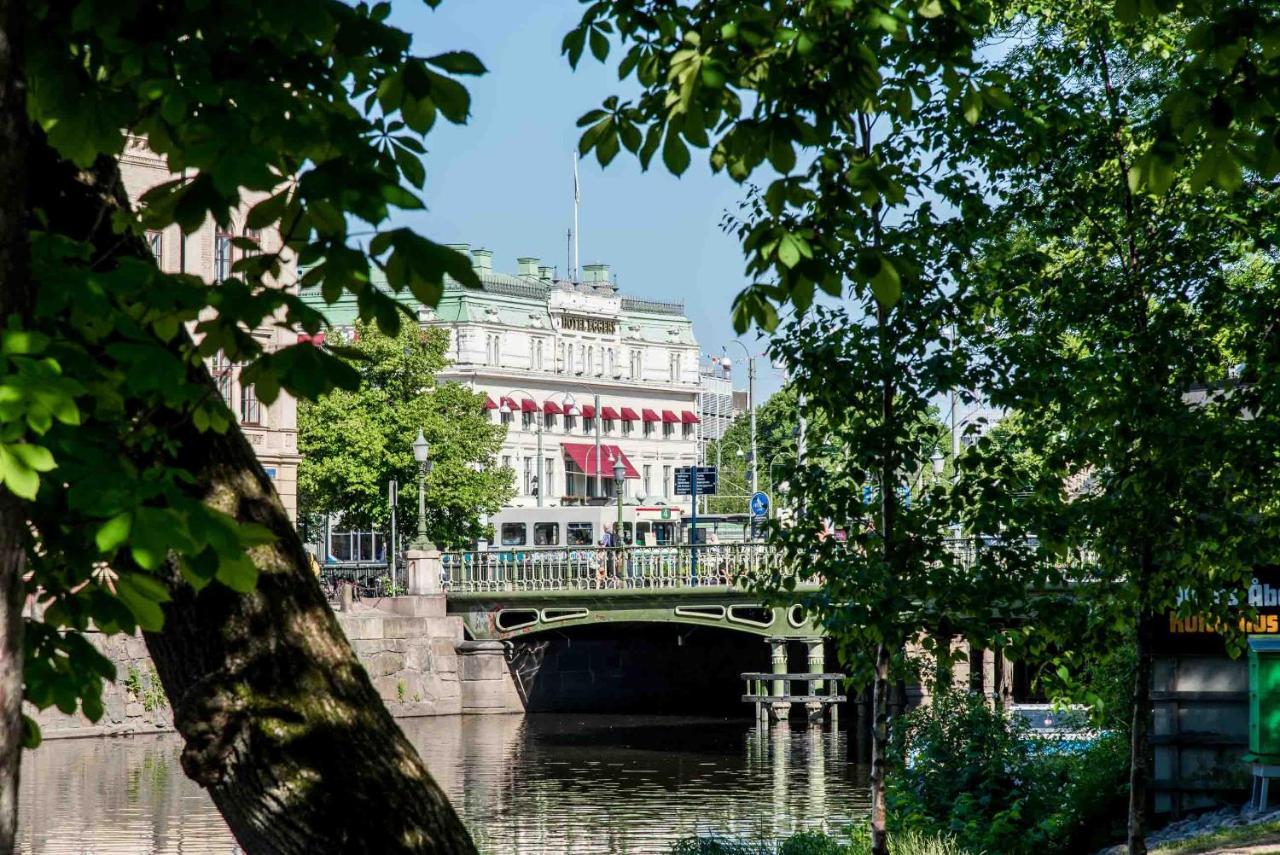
(414,653)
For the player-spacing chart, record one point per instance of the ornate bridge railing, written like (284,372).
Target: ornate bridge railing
(597,568)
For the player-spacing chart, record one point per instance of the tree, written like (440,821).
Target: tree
(158,515)
(354,443)
(864,92)
(1110,303)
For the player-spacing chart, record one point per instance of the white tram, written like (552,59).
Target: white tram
(584,525)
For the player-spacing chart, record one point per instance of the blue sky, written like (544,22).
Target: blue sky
(505,180)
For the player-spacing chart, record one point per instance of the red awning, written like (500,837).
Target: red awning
(317,339)
(651,416)
(509,403)
(584,455)
(588,411)
(630,414)
(489,403)
(551,407)
(608,413)
(528,406)
(688,418)
(670,418)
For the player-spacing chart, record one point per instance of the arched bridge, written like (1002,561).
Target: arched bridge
(507,594)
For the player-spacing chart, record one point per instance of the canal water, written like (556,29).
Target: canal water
(538,784)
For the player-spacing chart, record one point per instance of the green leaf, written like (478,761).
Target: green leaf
(113,532)
(146,611)
(675,154)
(458,62)
(599,45)
(239,573)
(886,284)
(971,105)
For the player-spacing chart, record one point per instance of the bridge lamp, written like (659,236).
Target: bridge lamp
(421,453)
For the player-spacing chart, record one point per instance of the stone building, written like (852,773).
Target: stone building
(207,252)
(543,349)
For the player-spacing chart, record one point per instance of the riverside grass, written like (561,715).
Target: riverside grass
(852,842)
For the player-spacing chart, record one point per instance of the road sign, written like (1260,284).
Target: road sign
(760,504)
(707,480)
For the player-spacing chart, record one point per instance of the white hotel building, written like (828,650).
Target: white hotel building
(544,350)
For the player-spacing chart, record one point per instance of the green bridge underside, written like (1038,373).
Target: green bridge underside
(500,615)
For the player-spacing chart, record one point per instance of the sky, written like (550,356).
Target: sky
(504,181)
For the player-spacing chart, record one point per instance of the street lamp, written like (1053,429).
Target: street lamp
(751,405)
(421,452)
(619,473)
(937,460)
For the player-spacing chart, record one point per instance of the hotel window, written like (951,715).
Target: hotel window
(568,422)
(648,474)
(582,358)
(667,430)
(222,369)
(688,431)
(549,421)
(250,407)
(506,461)
(526,420)
(155,243)
(666,480)
(222,255)
(588,424)
(648,429)
(591,360)
(607,426)
(255,237)
(530,481)
(626,427)
(549,474)
(537,355)
(561,364)
(635,365)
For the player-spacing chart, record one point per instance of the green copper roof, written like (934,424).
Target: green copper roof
(521,301)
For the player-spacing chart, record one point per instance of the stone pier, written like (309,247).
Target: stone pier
(415,654)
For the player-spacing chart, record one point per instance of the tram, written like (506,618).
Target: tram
(584,525)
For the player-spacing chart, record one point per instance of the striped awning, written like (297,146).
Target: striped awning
(689,418)
(650,416)
(670,418)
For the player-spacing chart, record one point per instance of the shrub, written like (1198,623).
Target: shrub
(965,770)
(855,841)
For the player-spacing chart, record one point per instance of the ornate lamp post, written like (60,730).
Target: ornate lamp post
(421,454)
(619,474)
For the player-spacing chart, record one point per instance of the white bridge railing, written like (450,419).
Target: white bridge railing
(591,568)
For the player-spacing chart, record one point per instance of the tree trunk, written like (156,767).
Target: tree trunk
(1139,737)
(281,722)
(15,301)
(879,745)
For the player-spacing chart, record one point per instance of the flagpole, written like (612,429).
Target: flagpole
(577,197)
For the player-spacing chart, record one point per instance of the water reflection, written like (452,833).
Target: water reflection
(542,784)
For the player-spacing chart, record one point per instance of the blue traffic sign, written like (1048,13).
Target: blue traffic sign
(760,504)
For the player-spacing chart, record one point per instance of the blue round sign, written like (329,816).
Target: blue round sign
(760,504)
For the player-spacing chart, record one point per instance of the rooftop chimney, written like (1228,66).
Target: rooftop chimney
(482,259)
(528,266)
(595,274)
(464,248)
(546,273)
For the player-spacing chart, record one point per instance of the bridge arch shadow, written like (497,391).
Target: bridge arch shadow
(636,667)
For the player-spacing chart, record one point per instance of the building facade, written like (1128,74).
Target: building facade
(544,351)
(208,252)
